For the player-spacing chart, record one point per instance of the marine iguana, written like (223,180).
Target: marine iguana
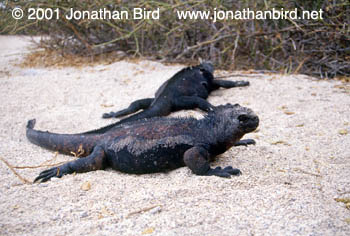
(153,145)
(187,89)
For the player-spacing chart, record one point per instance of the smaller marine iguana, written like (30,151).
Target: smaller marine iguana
(187,89)
(153,145)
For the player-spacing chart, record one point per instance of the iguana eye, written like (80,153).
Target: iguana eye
(205,84)
(202,71)
(243,118)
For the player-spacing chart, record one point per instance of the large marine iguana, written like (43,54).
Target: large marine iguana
(187,89)
(153,145)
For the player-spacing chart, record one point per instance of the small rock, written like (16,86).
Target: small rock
(86,186)
(84,214)
(156,210)
(343,132)
(148,231)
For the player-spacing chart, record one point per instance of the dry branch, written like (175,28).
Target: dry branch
(313,47)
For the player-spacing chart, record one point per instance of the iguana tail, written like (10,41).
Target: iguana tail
(148,113)
(73,144)
(153,111)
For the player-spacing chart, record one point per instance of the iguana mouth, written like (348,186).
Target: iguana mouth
(249,122)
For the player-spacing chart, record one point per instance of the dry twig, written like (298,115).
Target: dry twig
(24,180)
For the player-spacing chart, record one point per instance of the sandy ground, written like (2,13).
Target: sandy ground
(290,180)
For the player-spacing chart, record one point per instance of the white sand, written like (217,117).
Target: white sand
(290,177)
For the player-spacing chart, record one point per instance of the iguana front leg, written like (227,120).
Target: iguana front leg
(95,161)
(133,107)
(191,102)
(197,159)
(230,84)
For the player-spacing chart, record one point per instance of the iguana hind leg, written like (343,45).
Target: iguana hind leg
(133,107)
(230,84)
(197,159)
(191,102)
(95,161)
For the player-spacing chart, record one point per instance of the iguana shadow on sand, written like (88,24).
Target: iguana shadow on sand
(153,145)
(187,89)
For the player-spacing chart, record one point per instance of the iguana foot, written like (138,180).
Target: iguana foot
(242,83)
(46,175)
(95,161)
(109,115)
(245,142)
(226,172)
(133,107)
(114,114)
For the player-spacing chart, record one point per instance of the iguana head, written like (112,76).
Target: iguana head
(242,119)
(207,65)
(204,75)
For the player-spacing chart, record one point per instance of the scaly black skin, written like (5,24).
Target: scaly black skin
(152,145)
(187,89)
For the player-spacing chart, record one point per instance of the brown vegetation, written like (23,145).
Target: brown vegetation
(317,47)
